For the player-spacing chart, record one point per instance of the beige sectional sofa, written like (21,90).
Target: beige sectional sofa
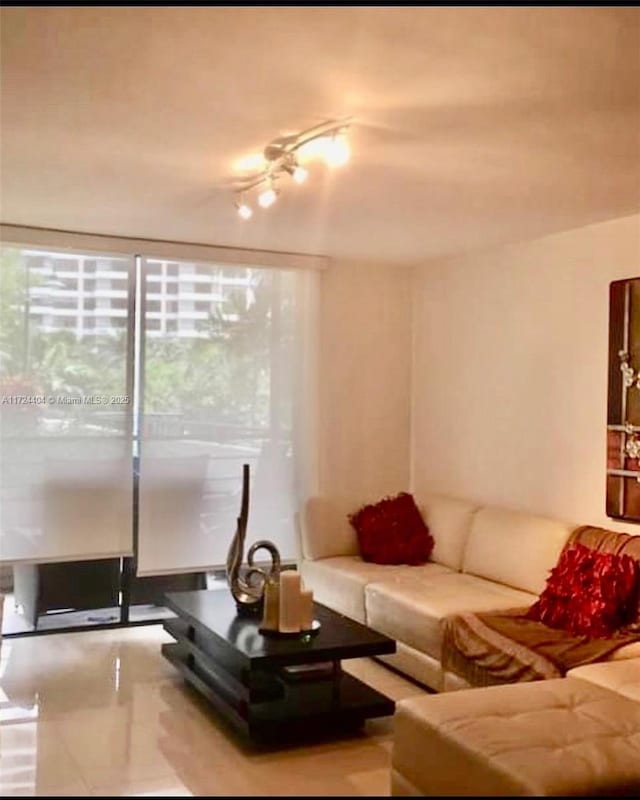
(578,735)
(484,558)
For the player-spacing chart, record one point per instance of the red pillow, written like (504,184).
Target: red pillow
(589,593)
(392,532)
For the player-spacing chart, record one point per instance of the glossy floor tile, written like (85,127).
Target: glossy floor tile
(102,713)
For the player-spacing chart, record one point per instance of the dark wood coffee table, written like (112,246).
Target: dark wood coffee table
(248,676)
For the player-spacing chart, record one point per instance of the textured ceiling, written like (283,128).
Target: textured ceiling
(473,126)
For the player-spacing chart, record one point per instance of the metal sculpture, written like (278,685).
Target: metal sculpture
(248,588)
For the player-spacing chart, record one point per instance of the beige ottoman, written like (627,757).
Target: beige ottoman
(556,737)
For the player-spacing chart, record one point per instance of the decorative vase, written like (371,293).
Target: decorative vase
(248,589)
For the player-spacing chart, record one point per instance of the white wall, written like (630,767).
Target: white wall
(510,371)
(364,380)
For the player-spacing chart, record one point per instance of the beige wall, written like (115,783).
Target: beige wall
(364,380)
(510,371)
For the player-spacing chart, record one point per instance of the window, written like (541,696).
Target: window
(65,468)
(219,386)
(228,382)
(154,269)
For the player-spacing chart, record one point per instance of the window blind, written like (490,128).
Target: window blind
(65,405)
(223,372)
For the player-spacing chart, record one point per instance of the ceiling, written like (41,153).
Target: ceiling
(473,126)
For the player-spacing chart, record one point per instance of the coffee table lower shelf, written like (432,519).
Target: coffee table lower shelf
(282,709)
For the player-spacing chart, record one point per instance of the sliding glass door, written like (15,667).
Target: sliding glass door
(220,361)
(65,406)
(132,391)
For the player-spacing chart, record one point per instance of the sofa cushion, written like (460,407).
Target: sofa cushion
(413,610)
(628,651)
(449,521)
(514,548)
(325,529)
(392,531)
(621,676)
(339,582)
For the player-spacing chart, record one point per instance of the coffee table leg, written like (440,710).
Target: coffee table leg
(337,675)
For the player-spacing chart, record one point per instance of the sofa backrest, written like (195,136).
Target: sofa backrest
(449,521)
(326,530)
(510,547)
(514,548)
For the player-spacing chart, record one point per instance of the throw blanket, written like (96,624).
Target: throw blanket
(505,647)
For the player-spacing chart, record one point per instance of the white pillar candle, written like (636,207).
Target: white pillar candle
(289,601)
(271,615)
(306,609)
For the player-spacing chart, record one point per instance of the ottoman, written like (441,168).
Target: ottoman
(554,737)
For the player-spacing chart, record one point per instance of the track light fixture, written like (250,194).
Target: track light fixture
(327,141)
(338,150)
(268,195)
(244,211)
(298,173)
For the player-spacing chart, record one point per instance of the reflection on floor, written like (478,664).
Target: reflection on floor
(14,622)
(102,713)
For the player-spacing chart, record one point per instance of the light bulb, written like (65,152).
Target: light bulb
(267,197)
(299,174)
(244,210)
(337,151)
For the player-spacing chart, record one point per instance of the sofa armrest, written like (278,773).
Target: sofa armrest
(326,531)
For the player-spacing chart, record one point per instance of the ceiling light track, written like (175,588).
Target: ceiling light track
(283,155)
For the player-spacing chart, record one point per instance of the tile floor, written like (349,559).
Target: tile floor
(102,713)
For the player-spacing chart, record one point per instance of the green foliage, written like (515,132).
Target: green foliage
(12,301)
(63,364)
(55,362)
(225,374)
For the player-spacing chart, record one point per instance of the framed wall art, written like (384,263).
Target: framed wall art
(623,415)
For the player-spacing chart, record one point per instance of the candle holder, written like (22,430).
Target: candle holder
(248,590)
(288,608)
(276,634)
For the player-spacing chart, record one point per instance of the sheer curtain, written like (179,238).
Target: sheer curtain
(228,361)
(65,405)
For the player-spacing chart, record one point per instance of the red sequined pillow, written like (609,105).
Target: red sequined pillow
(392,532)
(589,593)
